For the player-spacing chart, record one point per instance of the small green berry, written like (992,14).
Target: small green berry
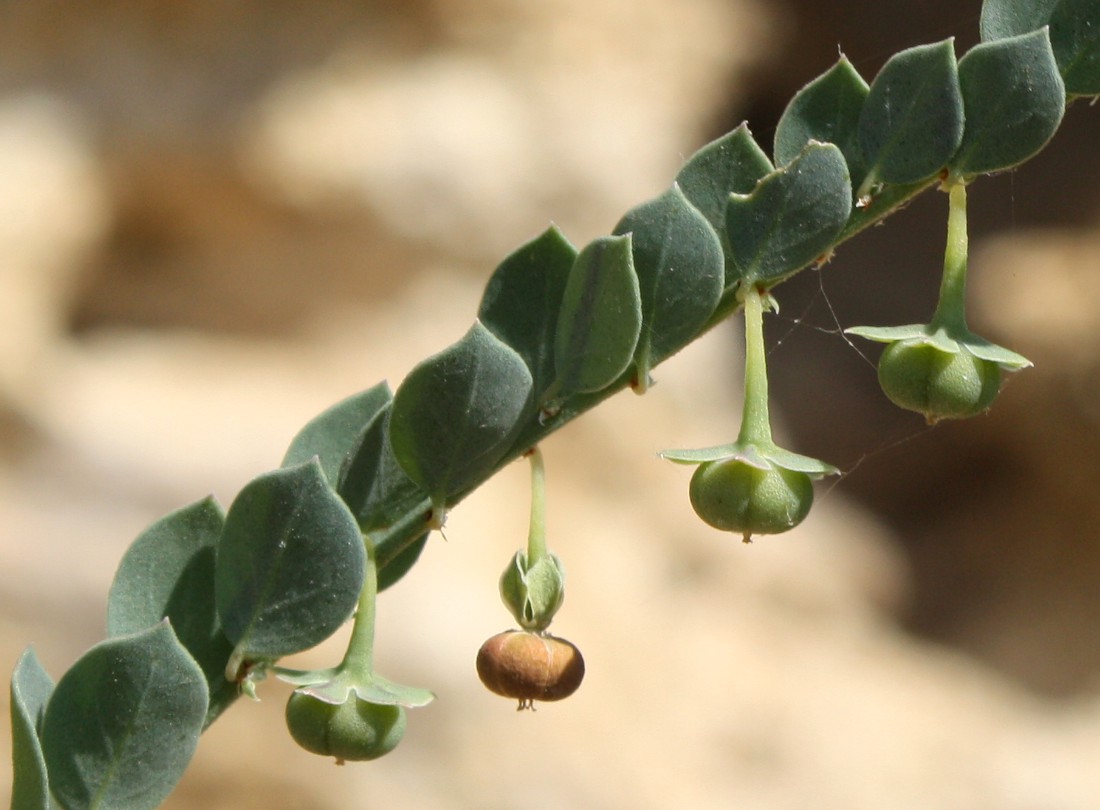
(530,666)
(734,496)
(354,730)
(920,377)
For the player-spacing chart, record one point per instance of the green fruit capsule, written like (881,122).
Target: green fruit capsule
(919,377)
(354,730)
(737,497)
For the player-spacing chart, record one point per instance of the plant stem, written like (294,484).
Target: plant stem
(394,539)
(536,536)
(359,657)
(951,310)
(755,420)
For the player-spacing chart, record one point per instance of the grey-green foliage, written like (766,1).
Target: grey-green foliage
(31,688)
(559,330)
(168,573)
(522,303)
(1014,99)
(680,269)
(791,217)
(122,723)
(600,318)
(455,413)
(290,564)
(912,119)
(332,435)
(1074,34)
(731,164)
(826,110)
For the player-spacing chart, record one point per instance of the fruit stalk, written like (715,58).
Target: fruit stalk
(950,312)
(755,419)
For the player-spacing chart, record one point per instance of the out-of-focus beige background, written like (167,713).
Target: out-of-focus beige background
(217,218)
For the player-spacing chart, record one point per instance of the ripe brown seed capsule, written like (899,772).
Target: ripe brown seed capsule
(530,666)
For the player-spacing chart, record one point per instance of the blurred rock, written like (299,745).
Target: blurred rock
(222,217)
(51,213)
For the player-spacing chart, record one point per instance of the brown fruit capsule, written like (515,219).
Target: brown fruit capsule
(529,667)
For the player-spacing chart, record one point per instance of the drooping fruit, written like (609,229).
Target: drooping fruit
(354,730)
(530,666)
(735,496)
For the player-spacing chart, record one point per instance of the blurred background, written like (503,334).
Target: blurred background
(218,218)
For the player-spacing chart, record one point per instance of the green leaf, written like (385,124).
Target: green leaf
(331,435)
(729,165)
(1074,35)
(791,217)
(680,268)
(168,572)
(600,319)
(122,724)
(1014,100)
(378,492)
(401,563)
(912,120)
(522,300)
(826,110)
(1008,18)
(290,564)
(372,483)
(31,688)
(457,412)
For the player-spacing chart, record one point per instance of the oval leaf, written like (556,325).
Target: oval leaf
(912,120)
(290,564)
(401,563)
(731,164)
(31,688)
(372,483)
(378,492)
(600,319)
(168,572)
(791,217)
(680,268)
(454,416)
(522,300)
(826,110)
(331,435)
(1014,100)
(122,724)
(1009,18)
(1074,35)
(1075,38)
